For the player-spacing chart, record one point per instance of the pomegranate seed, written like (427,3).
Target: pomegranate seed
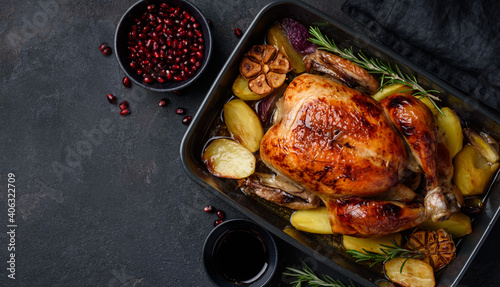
(209,209)
(126,82)
(217,222)
(123,105)
(124,112)
(165,34)
(220,214)
(237,32)
(180,111)
(163,102)
(111,98)
(186,120)
(177,92)
(103,46)
(106,51)
(149,79)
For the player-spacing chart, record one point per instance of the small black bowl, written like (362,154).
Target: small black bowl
(239,252)
(121,43)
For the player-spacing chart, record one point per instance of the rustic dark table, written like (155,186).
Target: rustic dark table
(103,200)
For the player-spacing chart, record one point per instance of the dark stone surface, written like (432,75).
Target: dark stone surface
(102,200)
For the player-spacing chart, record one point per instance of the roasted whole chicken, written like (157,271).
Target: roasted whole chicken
(360,158)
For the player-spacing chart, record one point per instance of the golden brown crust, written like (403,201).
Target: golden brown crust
(367,217)
(343,70)
(415,122)
(333,140)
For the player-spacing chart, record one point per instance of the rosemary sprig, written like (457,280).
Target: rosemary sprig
(389,252)
(388,74)
(306,275)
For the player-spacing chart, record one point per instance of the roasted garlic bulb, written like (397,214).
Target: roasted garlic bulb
(265,68)
(437,247)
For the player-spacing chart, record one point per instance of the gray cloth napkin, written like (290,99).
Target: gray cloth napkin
(456,40)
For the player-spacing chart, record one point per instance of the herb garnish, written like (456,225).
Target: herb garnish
(389,252)
(388,74)
(306,275)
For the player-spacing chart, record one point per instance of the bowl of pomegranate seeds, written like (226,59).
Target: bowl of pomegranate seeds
(163,45)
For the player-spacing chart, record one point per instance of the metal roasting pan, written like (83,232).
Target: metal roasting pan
(271,218)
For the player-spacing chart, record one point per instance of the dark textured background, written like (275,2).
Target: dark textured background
(102,200)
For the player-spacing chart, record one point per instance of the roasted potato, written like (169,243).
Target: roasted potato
(386,91)
(229,159)
(370,244)
(312,220)
(429,104)
(241,90)
(458,225)
(472,171)
(449,125)
(415,273)
(486,149)
(244,124)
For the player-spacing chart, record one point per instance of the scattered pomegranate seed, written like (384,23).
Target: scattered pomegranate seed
(111,98)
(237,32)
(209,209)
(126,82)
(217,222)
(186,120)
(163,102)
(103,46)
(210,23)
(123,105)
(177,92)
(106,51)
(124,112)
(220,214)
(165,44)
(180,111)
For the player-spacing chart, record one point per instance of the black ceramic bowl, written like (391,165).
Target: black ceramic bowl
(122,37)
(233,249)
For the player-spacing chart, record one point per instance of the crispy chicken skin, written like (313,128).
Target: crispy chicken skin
(366,217)
(415,122)
(343,70)
(350,150)
(333,140)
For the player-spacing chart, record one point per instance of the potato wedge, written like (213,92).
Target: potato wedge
(244,124)
(241,90)
(472,171)
(229,159)
(415,273)
(429,104)
(277,37)
(312,220)
(487,150)
(458,225)
(370,244)
(389,90)
(449,125)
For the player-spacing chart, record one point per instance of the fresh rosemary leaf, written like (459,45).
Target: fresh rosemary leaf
(389,252)
(388,74)
(307,275)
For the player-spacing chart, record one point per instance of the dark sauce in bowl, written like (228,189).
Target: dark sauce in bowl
(241,256)
(239,252)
